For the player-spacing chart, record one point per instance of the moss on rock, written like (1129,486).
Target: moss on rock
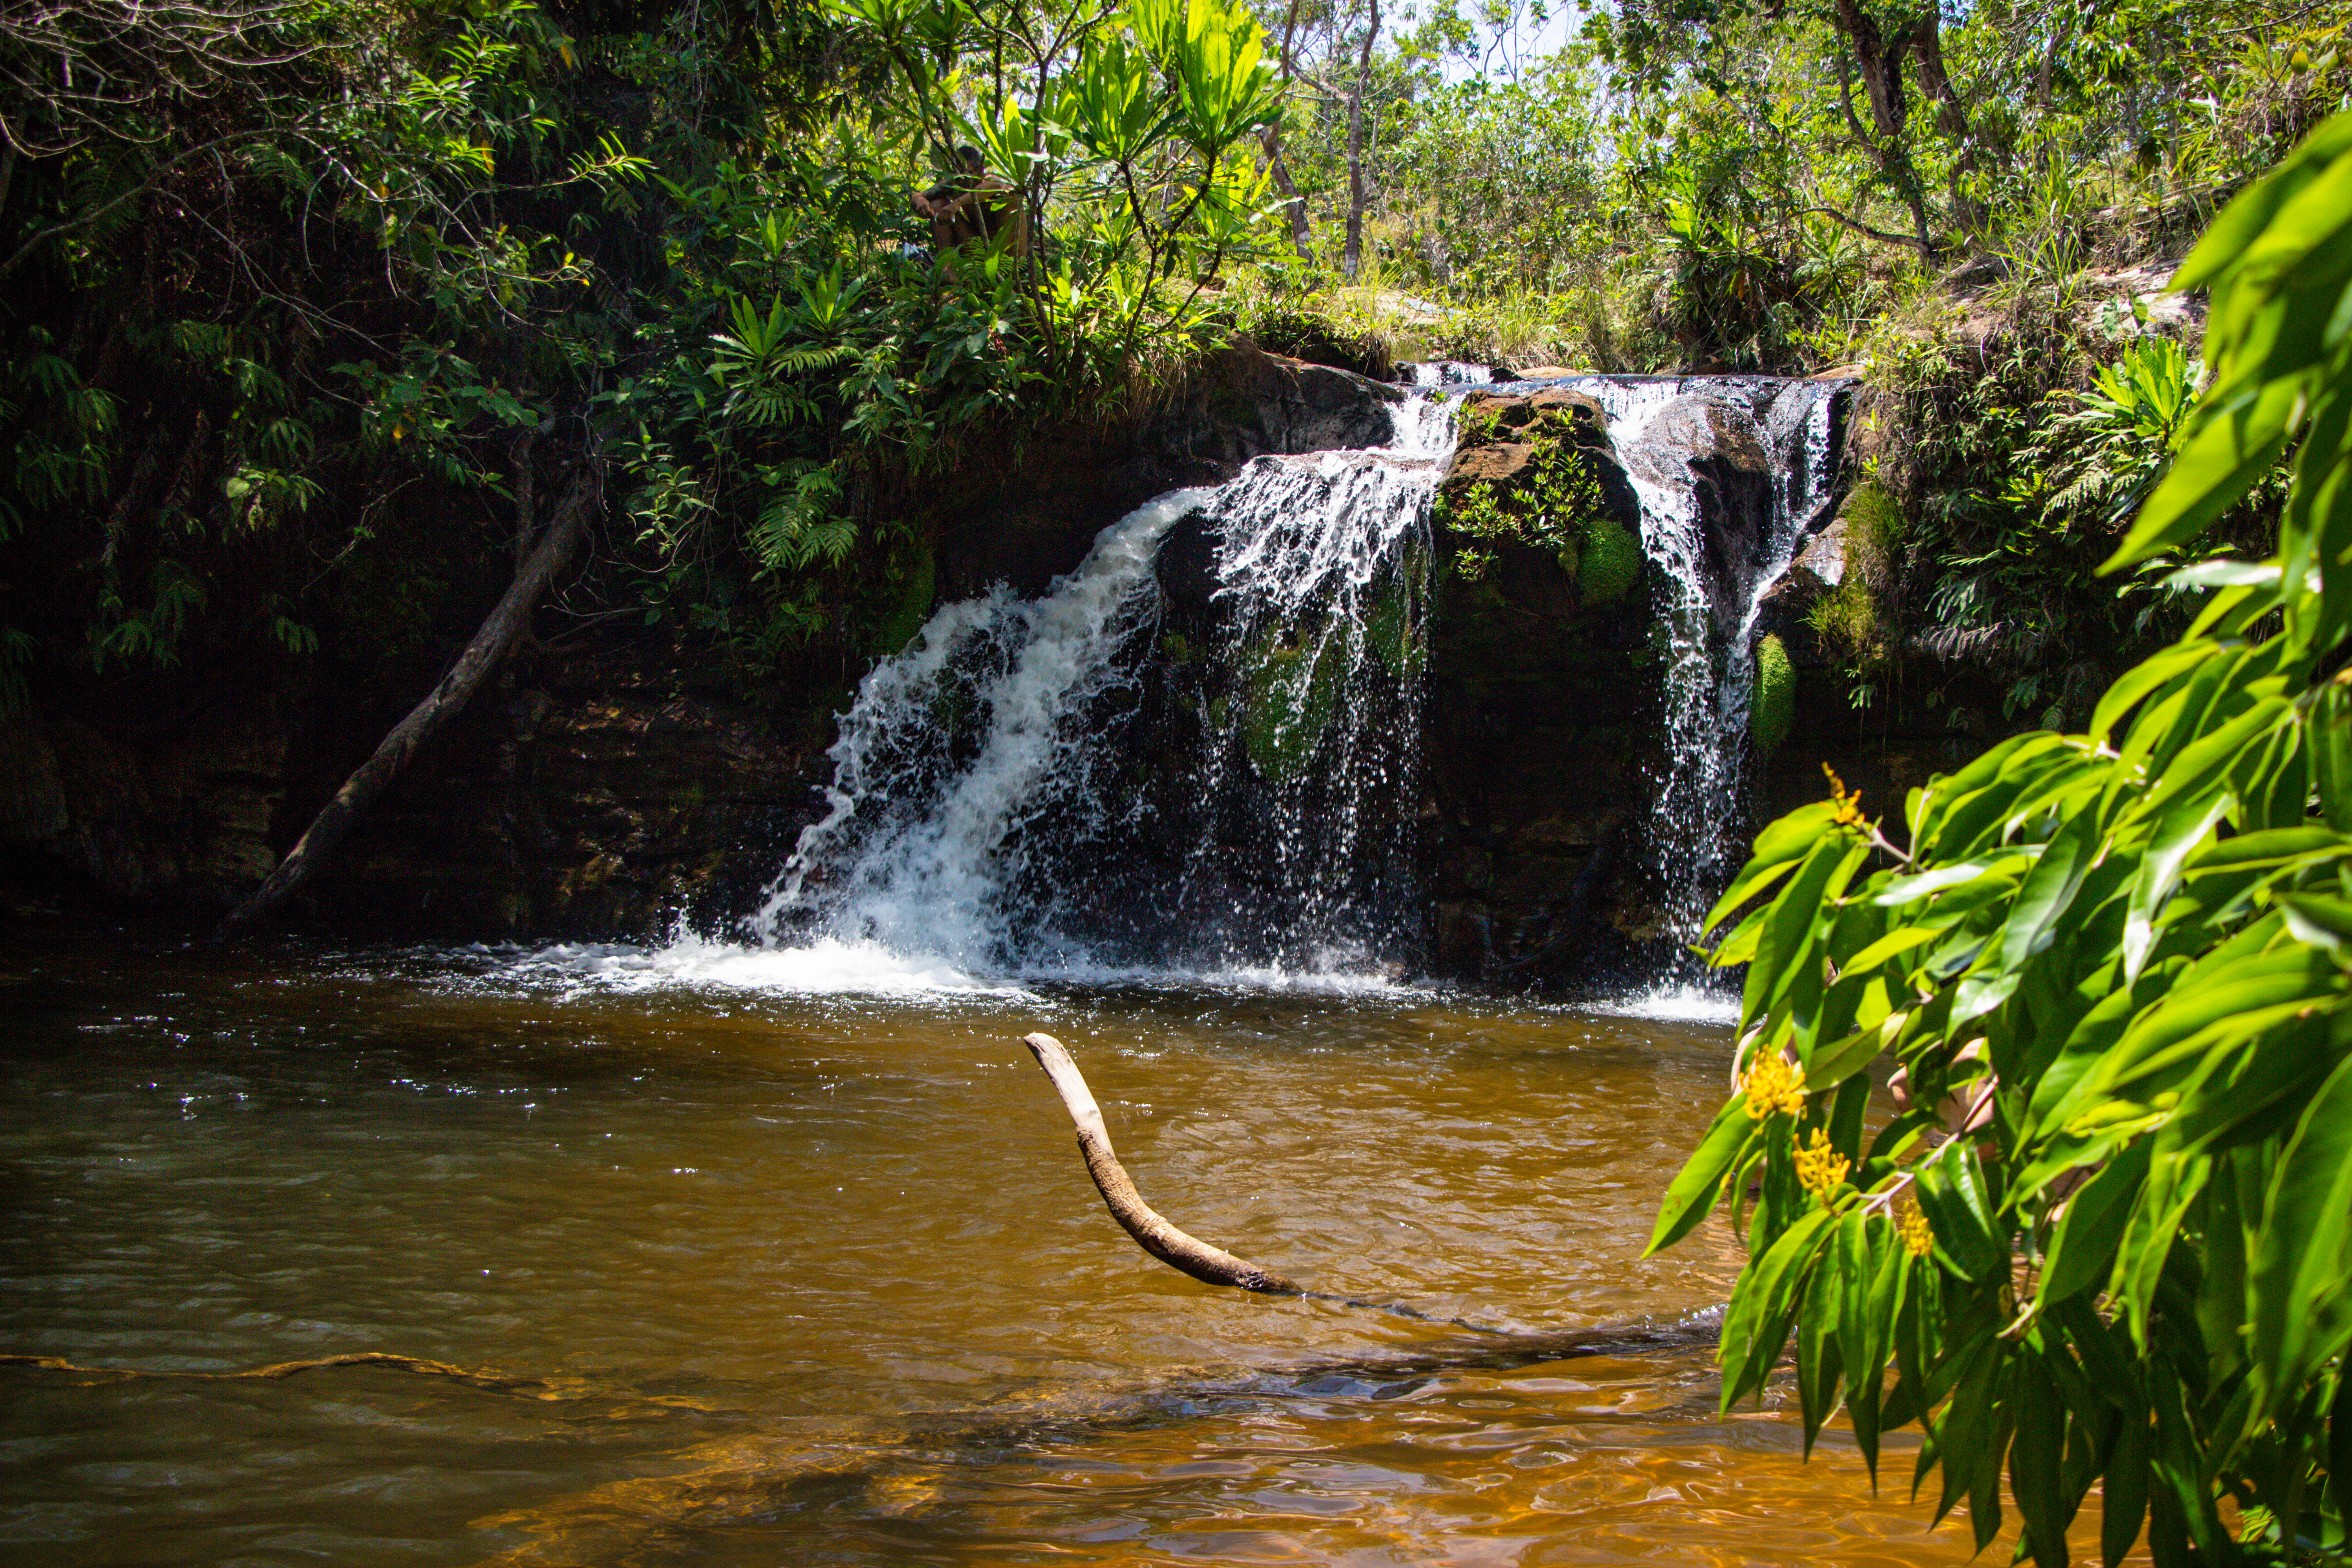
(1774,709)
(1610,562)
(1294,690)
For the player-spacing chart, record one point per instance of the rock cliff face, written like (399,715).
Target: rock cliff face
(1540,730)
(1543,734)
(606,782)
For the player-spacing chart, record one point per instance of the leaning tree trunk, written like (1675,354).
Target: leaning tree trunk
(1354,256)
(1302,238)
(1210,1265)
(497,637)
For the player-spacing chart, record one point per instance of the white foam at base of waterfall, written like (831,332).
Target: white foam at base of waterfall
(826,967)
(1673,1004)
(921,881)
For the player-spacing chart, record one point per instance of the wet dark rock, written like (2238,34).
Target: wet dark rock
(592,793)
(1187,568)
(1023,518)
(603,795)
(1713,444)
(1540,730)
(139,815)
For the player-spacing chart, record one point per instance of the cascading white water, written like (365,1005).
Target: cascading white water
(909,854)
(977,798)
(1323,567)
(1711,609)
(1197,756)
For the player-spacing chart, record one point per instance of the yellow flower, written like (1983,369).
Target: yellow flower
(1819,1166)
(1911,1226)
(1845,810)
(1772,1085)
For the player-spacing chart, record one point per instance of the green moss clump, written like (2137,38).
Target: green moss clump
(1610,563)
(1774,710)
(1391,631)
(1291,703)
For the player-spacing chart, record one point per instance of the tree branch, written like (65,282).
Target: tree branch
(1913,241)
(497,635)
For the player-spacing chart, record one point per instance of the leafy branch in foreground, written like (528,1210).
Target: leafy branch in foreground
(2109,1238)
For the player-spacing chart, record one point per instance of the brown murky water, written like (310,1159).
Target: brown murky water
(757,1279)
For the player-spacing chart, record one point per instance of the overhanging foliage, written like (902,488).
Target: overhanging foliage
(2109,1239)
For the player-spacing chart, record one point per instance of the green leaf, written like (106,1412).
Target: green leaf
(1755,1326)
(2243,221)
(1779,850)
(2301,1261)
(1786,935)
(2126,1486)
(2050,886)
(1912,888)
(1691,1196)
(2036,1456)
(2177,834)
(1951,1191)
(1834,1064)
(2229,447)
(1893,943)
(2317,919)
(2082,1250)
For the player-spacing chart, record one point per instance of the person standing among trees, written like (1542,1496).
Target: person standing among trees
(972,204)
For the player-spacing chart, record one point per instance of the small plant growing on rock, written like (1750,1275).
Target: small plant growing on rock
(1555,503)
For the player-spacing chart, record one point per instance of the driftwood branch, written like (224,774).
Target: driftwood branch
(1210,1265)
(497,637)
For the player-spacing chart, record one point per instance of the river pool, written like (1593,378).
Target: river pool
(719,1273)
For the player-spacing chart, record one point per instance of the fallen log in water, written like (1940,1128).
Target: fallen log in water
(1213,1265)
(1210,1265)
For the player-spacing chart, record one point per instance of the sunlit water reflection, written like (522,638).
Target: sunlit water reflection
(755,1276)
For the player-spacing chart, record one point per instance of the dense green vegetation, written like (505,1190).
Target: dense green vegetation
(2109,1238)
(313,307)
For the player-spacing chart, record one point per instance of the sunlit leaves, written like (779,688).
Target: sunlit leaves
(2113,970)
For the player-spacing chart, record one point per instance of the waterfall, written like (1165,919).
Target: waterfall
(1677,437)
(991,810)
(912,853)
(1198,752)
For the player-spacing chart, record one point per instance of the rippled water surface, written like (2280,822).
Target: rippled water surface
(714,1274)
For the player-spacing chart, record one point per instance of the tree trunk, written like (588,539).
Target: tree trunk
(1210,1265)
(2059,36)
(1927,48)
(1882,68)
(1301,238)
(1352,260)
(1882,79)
(497,637)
